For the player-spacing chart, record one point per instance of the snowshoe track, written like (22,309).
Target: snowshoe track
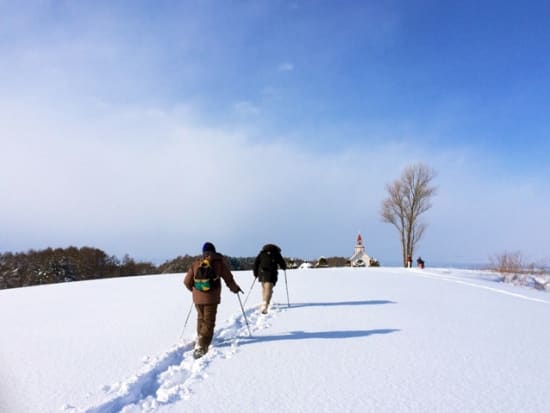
(172,376)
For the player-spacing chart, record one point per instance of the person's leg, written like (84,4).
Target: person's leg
(207,326)
(200,322)
(267,293)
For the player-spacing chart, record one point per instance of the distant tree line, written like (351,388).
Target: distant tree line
(65,264)
(57,265)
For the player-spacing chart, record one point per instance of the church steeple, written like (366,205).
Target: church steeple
(359,247)
(359,257)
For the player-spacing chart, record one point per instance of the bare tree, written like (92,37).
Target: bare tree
(408,198)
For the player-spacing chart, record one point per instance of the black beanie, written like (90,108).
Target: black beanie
(208,247)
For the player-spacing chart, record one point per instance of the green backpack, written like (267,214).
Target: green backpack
(205,277)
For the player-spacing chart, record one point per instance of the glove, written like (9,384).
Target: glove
(236,289)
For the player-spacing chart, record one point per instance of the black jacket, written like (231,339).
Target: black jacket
(266,263)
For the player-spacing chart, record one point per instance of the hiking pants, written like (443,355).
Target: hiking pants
(206,321)
(267,292)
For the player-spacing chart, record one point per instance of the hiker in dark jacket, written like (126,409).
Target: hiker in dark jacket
(265,270)
(206,302)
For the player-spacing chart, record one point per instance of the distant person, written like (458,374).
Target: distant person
(265,270)
(203,280)
(420,262)
(409,261)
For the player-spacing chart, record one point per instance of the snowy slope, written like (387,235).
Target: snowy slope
(353,340)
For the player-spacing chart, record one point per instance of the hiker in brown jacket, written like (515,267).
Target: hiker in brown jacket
(206,301)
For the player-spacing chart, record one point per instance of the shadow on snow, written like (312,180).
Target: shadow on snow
(305,335)
(339,303)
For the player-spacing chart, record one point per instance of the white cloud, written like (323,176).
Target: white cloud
(156,183)
(285,67)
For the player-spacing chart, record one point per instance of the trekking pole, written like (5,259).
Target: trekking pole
(249,291)
(286,285)
(244,315)
(186,320)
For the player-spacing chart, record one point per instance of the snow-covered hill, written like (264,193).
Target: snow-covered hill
(353,340)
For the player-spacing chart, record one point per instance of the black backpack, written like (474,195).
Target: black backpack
(205,277)
(267,264)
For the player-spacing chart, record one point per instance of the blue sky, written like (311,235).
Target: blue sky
(116,118)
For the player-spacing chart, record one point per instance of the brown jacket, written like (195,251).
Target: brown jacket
(221,268)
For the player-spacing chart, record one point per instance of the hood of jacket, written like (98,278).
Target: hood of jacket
(271,247)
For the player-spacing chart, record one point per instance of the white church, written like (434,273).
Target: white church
(360,257)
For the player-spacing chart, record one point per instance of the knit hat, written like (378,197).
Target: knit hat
(208,247)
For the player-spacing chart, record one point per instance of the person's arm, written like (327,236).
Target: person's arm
(256,266)
(229,279)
